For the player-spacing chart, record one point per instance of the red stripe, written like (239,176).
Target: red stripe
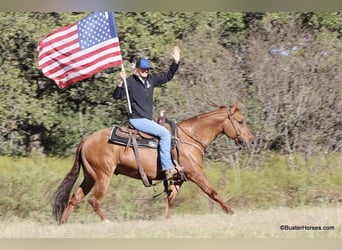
(44,43)
(88,65)
(53,49)
(78,59)
(57,58)
(79,78)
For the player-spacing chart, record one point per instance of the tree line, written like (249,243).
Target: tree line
(284,68)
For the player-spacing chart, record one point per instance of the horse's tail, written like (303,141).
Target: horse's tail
(62,195)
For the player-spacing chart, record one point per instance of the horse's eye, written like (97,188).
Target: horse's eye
(240,121)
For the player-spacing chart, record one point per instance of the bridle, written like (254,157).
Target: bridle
(237,134)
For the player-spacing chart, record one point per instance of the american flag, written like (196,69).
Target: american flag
(78,51)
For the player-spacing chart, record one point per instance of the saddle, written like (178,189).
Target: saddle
(124,135)
(131,137)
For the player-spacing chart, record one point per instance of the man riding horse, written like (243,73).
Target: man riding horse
(140,88)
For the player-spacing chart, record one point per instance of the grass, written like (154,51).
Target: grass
(260,223)
(267,181)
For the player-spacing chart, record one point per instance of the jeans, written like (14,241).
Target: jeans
(153,128)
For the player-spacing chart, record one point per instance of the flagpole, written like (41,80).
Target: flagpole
(126,89)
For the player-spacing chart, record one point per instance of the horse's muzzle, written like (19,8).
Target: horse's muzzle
(248,143)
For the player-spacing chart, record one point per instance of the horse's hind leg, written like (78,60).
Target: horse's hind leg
(76,198)
(99,190)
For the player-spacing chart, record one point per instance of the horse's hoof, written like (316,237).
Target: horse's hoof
(229,211)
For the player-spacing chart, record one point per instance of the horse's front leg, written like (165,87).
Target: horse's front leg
(172,192)
(202,182)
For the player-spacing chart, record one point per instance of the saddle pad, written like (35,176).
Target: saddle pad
(123,139)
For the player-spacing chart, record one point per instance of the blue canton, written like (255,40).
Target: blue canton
(96,28)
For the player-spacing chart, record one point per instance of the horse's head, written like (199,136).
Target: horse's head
(236,128)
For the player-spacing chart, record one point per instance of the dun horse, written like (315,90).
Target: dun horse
(100,159)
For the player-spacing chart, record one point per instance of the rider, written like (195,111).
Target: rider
(140,90)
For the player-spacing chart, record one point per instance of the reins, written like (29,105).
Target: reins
(203,145)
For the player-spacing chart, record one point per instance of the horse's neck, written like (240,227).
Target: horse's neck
(204,128)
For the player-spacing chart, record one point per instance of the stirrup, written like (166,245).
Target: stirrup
(170,174)
(180,171)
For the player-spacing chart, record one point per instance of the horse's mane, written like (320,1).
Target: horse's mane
(204,115)
(213,104)
(235,108)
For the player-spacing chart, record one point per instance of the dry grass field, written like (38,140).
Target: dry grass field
(305,222)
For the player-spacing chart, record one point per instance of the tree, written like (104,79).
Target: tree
(297,80)
(283,67)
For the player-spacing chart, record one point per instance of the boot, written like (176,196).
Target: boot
(171,173)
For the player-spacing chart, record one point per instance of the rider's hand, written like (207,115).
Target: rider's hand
(176,54)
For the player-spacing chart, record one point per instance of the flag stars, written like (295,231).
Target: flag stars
(67,59)
(93,30)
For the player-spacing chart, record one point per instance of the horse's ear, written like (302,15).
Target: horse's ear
(236,104)
(235,107)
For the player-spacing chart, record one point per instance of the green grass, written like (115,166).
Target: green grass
(269,180)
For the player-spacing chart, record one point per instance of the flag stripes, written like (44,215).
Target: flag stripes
(62,59)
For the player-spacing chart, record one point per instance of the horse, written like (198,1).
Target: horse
(101,159)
